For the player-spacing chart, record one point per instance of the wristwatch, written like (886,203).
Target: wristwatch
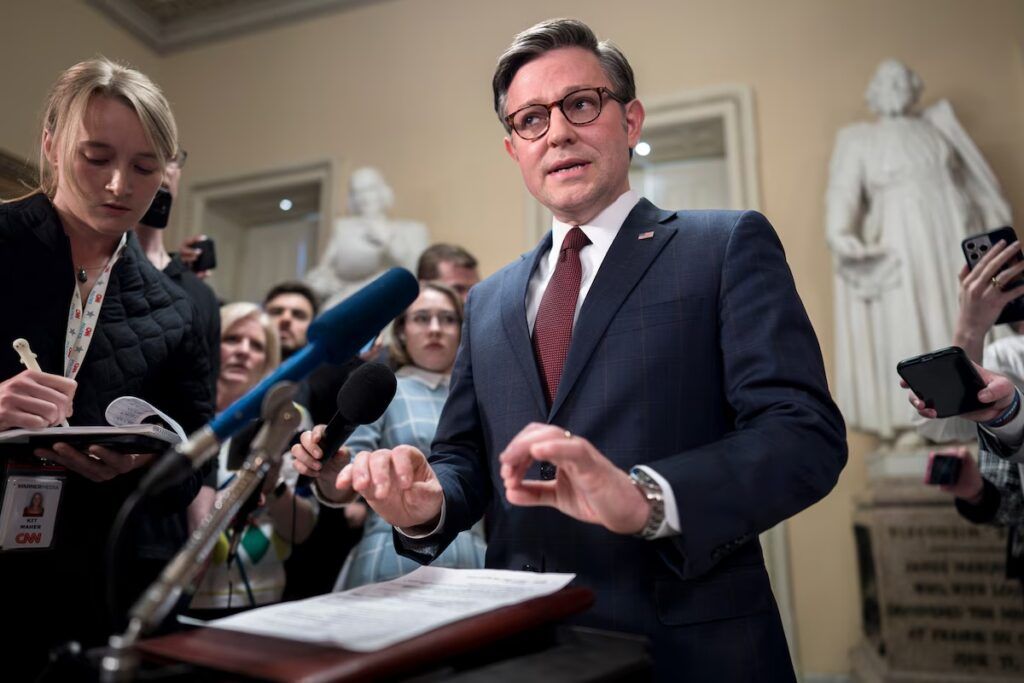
(652,493)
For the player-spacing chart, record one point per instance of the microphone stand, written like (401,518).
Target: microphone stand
(281,418)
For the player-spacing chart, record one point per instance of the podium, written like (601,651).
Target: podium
(504,629)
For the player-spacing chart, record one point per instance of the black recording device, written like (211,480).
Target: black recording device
(207,259)
(159,211)
(943,469)
(976,246)
(945,380)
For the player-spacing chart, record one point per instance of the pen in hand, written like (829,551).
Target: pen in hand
(28,359)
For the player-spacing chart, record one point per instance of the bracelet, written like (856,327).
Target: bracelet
(1008,414)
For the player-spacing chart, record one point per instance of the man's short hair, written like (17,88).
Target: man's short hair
(293,287)
(433,256)
(552,35)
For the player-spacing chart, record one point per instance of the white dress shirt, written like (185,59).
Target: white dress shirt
(601,232)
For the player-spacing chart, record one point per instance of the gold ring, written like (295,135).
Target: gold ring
(996,283)
(568,434)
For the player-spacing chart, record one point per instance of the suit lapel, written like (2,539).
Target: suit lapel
(623,267)
(513,314)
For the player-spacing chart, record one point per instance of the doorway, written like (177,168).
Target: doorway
(267,228)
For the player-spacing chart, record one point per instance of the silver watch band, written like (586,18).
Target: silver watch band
(652,492)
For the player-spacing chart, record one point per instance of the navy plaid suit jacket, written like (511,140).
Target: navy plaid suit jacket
(692,354)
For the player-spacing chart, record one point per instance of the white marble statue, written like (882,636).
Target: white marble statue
(367,242)
(903,192)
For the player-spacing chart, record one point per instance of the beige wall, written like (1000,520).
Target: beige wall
(405,85)
(38,40)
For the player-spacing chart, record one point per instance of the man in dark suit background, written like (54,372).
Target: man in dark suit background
(634,401)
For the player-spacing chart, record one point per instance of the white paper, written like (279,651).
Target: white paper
(129,410)
(378,615)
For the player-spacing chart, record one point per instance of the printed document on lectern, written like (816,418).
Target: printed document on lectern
(378,615)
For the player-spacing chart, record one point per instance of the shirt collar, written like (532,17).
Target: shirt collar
(601,230)
(432,379)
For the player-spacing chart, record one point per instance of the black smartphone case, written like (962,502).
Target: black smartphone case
(945,380)
(207,259)
(944,469)
(976,246)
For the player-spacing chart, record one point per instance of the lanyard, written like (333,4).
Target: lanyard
(82,318)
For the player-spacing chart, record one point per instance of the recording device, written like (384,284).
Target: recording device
(943,469)
(975,248)
(334,337)
(945,380)
(207,259)
(363,398)
(159,212)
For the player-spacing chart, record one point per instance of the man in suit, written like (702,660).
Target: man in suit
(634,401)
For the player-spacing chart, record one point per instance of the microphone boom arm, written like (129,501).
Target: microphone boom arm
(282,418)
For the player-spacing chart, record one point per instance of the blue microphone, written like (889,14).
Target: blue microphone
(334,337)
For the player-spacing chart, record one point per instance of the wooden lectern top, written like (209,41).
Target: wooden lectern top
(290,661)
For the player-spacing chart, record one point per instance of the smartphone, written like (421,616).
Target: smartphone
(945,380)
(207,258)
(976,246)
(159,212)
(943,468)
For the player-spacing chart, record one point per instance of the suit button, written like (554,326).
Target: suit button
(547,471)
(530,568)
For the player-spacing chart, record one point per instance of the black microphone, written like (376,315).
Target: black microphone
(363,398)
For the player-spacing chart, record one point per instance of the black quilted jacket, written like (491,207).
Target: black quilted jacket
(144,345)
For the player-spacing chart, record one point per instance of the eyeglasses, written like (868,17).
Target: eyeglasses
(579,107)
(423,318)
(180,157)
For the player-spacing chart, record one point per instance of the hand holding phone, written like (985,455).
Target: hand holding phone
(943,468)
(992,287)
(943,382)
(959,466)
(946,381)
(198,254)
(207,259)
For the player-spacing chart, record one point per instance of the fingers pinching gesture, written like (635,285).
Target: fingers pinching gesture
(587,486)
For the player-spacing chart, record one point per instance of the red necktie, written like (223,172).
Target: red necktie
(552,331)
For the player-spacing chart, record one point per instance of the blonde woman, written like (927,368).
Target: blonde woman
(249,351)
(103,323)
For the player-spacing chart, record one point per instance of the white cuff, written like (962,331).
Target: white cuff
(670,525)
(440,523)
(324,500)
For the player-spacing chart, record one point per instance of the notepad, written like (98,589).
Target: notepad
(127,431)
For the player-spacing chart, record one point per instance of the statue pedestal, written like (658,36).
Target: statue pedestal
(935,601)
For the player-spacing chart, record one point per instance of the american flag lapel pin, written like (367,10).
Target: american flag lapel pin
(646,235)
